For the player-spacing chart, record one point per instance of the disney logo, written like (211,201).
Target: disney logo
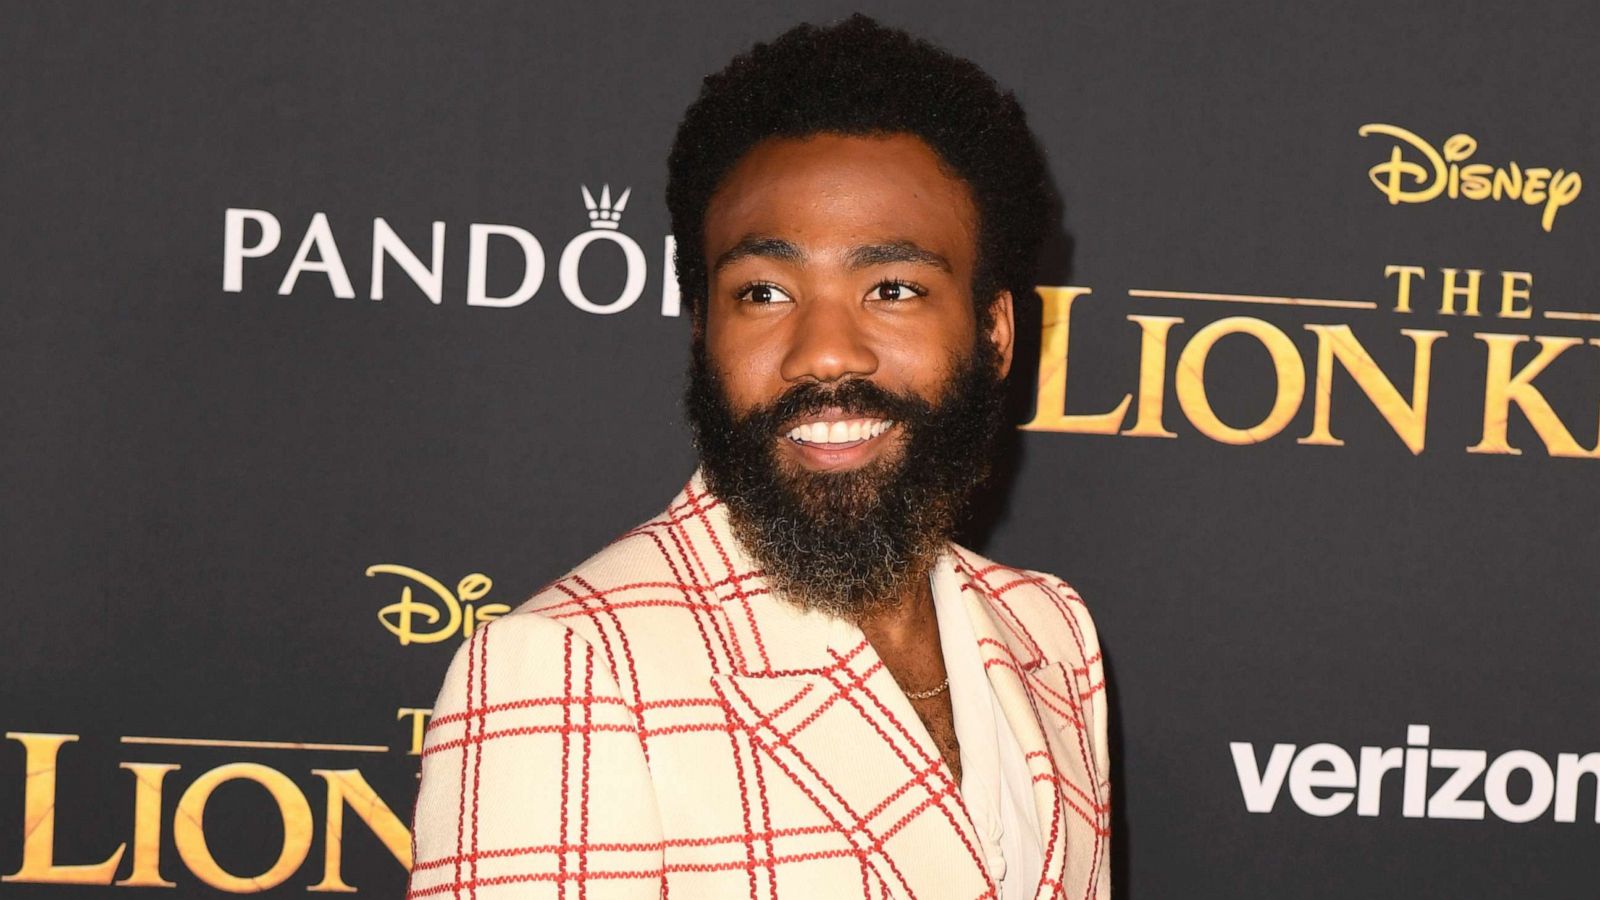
(1440,172)
(453,612)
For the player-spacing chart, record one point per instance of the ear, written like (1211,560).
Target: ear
(1002,332)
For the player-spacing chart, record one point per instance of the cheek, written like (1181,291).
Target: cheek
(922,360)
(919,370)
(747,367)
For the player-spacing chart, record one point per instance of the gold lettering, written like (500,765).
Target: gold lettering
(471,589)
(1475,183)
(1050,411)
(39,819)
(188,828)
(147,824)
(1152,375)
(1508,182)
(1289,371)
(1402,301)
(1501,389)
(474,587)
(1409,421)
(1457,148)
(1388,176)
(1405,181)
(419,726)
(1516,286)
(1447,304)
(1564,188)
(459,615)
(347,786)
(404,612)
(1533,186)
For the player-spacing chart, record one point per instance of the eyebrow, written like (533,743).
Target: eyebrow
(757,245)
(862,257)
(894,252)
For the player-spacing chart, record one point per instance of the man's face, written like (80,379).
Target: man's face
(843,398)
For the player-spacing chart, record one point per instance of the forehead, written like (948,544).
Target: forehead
(828,192)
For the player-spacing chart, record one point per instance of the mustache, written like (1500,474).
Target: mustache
(854,397)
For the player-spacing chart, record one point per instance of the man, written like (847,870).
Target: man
(791,683)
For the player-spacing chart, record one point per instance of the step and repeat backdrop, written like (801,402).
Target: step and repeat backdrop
(321,348)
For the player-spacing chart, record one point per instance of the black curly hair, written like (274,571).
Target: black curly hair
(860,78)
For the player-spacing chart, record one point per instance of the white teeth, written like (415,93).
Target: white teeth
(840,432)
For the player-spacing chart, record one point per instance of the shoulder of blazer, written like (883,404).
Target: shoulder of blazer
(639,603)
(1041,610)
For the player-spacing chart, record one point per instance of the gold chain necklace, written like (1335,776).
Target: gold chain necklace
(931,692)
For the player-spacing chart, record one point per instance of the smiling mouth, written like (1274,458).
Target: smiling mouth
(838,434)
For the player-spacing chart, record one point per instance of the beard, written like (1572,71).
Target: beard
(853,541)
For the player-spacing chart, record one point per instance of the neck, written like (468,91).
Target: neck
(904,623)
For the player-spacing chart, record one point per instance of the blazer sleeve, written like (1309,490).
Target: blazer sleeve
(1095,684)
(1094,708)
(533,774)
(1097,707)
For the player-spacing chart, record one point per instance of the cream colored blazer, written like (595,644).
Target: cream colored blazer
(656,723)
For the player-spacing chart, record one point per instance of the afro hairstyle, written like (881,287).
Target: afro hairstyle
(861,78)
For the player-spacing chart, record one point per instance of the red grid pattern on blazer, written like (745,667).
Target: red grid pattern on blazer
(698,598)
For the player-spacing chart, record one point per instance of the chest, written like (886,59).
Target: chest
(807,786)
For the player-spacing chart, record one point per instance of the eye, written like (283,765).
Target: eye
(893,290)
(762,292)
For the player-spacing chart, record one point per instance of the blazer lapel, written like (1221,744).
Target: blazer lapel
(814,697)
(842,731)
(1040,700)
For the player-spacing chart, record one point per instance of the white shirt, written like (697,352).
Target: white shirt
(996,786)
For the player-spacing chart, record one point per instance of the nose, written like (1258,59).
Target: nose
(827,342)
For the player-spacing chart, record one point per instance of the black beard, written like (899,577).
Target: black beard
(854,541)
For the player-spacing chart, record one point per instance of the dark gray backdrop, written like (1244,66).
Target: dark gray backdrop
(197,480)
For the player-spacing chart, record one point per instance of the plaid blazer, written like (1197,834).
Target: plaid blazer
(657,723)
